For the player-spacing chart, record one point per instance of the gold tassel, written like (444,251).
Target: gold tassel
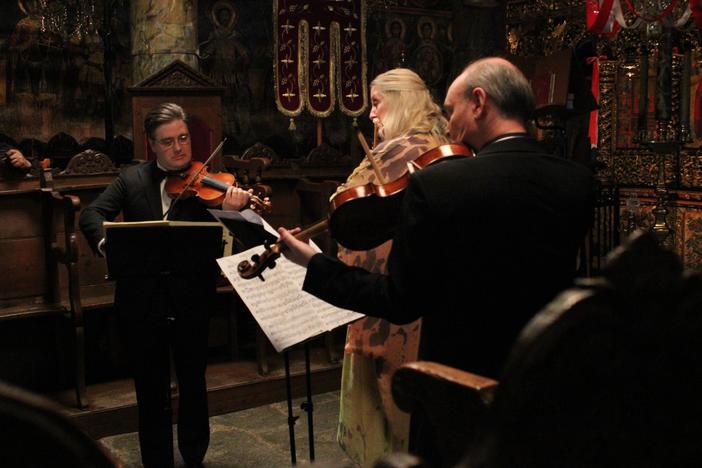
(292,127)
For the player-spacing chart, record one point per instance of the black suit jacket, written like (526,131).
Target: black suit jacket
(136,194)
(482,245)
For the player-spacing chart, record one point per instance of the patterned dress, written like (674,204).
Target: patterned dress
(370,424)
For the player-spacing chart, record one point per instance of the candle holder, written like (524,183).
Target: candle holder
(660,229)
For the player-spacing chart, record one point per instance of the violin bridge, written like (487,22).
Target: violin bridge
(412,166)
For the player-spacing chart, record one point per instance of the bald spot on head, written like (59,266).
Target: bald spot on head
(504,83)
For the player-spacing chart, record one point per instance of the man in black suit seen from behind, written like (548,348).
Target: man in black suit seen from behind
(166,312)
(484,242)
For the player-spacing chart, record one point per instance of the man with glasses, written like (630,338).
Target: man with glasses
(169,312)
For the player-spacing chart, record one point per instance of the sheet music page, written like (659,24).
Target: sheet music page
(287,314)
(329,315)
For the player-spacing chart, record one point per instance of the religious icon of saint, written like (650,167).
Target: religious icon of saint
(393,52)
(226,60)
(428,60)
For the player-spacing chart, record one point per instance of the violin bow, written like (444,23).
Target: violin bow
(369,156)
(376,129)
(193,178)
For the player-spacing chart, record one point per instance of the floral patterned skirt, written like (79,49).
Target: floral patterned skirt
(370,424)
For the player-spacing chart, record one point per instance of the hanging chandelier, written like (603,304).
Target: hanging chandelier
(71,20)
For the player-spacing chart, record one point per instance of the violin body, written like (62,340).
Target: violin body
(209,188)
(363,217)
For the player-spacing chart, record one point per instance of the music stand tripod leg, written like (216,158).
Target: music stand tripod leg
(291,418)
(308,405)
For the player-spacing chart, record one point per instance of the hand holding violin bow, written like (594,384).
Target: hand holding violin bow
(293,243)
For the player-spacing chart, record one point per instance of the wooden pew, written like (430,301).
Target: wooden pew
(37,245)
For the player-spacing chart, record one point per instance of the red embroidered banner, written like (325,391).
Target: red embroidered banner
(320,56)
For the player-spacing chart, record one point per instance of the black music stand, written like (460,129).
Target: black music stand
(306,405)
(159,249)
(246,227)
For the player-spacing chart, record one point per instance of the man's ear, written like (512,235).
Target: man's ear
(152,143)
(478,102)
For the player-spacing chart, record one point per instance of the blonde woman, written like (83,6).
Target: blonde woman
(370,425)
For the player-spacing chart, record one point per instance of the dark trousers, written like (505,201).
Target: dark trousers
(165,326)
(423,439)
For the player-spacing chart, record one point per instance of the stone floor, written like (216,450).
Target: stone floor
(258,437)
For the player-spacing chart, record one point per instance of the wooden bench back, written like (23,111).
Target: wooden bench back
(96,291)
(28,273)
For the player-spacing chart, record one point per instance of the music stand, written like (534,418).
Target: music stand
(162,249)
(158,248)
(306,405)
(246,227)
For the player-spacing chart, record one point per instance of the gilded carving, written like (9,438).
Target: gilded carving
(606,121)
(690,170)
(177,79)
(692,243)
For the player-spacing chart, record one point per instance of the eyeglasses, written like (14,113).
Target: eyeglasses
(167,143)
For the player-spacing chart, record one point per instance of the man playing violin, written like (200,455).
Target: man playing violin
(170,312)
(482,244)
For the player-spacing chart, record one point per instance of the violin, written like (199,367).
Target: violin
(209,188)
(363,217)
(360,218)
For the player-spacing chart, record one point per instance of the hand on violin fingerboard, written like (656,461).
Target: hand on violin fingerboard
(235,199)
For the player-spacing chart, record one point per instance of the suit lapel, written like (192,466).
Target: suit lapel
(152,189)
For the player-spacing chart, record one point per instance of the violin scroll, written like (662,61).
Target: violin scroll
(260,204)
(259,263)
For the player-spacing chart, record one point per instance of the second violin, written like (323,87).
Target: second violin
(365,216)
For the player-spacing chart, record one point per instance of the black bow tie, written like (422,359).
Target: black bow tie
(159,174)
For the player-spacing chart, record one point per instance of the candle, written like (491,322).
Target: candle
(643,97)
(664,79)
(685,96)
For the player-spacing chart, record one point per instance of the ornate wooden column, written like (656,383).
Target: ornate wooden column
(162,32)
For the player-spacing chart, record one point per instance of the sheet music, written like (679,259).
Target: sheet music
(287,314)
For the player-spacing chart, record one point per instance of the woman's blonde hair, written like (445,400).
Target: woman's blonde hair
(409,105)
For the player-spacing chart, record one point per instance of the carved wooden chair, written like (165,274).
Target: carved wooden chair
(596,378)
(248,174)
(314,205)
(452,403)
